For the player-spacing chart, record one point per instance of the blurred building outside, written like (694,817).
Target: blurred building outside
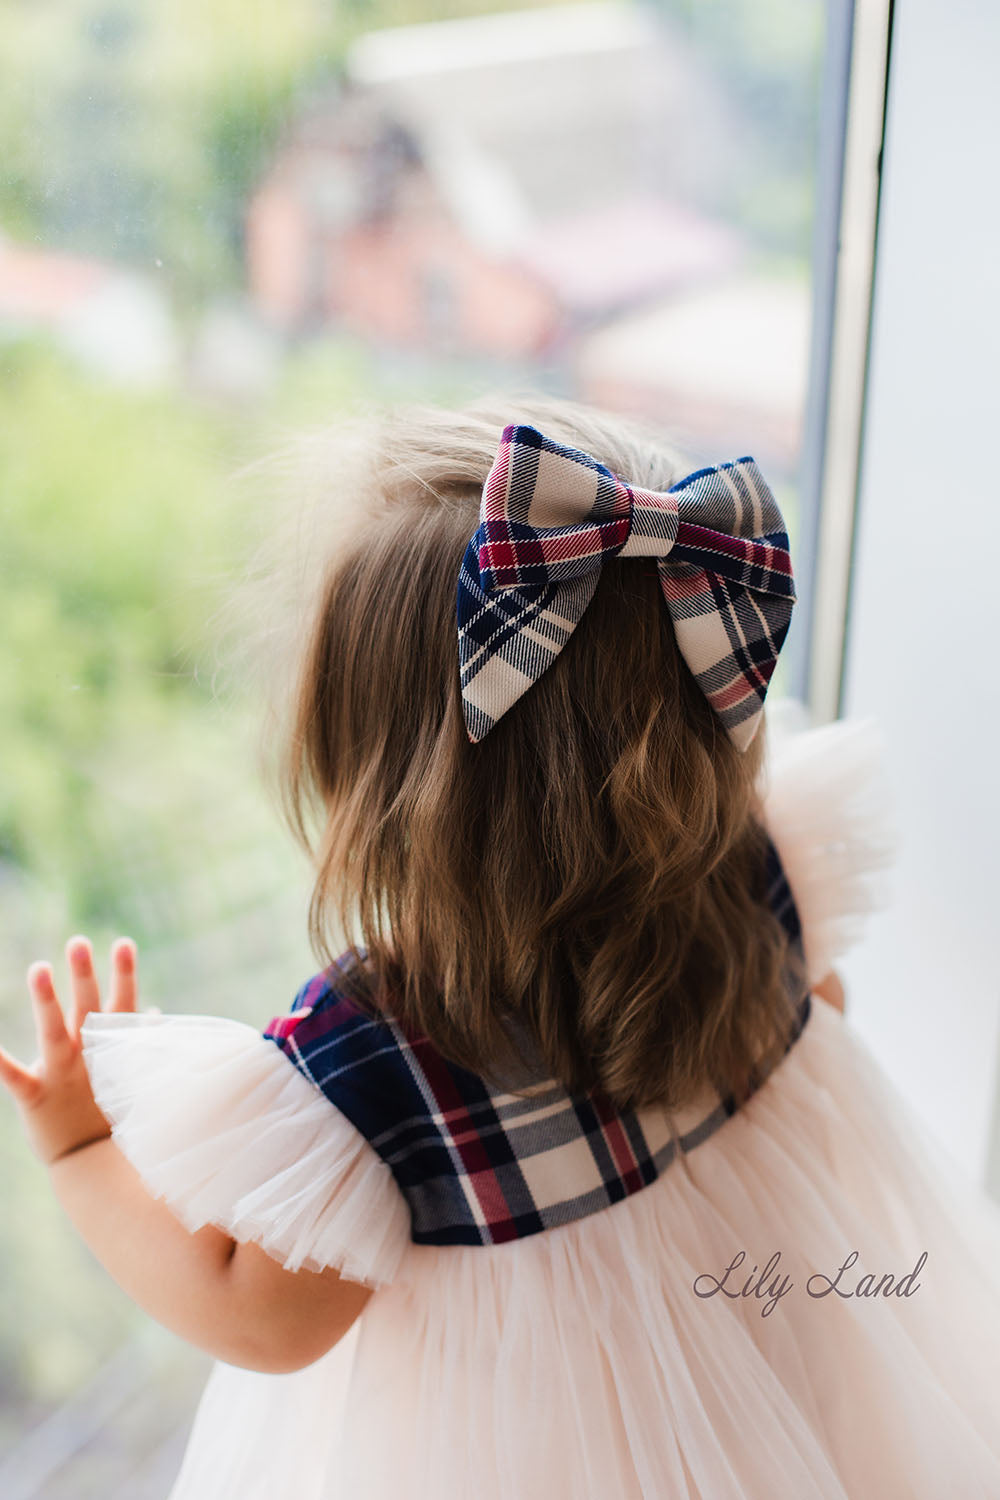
(517,188)
(510,190)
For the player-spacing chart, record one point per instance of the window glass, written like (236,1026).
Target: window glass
(220,222)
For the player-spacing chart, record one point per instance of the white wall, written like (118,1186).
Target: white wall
(924,631)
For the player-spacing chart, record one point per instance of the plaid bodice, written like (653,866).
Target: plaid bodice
(478,1166)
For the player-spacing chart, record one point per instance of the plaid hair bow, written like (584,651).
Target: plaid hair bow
(549,518)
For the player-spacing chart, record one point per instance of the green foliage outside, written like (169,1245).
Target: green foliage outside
(110,521)
(115,549)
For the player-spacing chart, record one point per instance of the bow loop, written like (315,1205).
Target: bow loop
(547,512)
(551,516)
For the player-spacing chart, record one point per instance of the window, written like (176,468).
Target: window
(218,223)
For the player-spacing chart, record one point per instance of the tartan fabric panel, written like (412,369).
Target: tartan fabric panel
(479,1166)
(549,517)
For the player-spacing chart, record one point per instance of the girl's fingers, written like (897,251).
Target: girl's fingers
(18,1080)
(83,980)
(123,975)
(50,1027)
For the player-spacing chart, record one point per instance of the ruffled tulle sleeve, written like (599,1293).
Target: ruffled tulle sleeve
(828,809)
(219,1124)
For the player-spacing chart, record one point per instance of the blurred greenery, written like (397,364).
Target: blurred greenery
(135,128)
(768,57)
(103,558)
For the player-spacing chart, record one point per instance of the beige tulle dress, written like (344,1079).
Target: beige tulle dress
(586,1360)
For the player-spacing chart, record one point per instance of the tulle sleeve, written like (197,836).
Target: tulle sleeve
(828,809)
(220,1124)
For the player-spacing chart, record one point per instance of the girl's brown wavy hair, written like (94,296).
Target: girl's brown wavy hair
(590,875)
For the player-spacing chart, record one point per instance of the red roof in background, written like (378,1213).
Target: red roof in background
(43,285)
(635,248)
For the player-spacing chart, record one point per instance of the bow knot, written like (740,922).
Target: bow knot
(550,517)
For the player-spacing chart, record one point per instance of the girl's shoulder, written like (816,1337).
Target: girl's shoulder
(364,1062)
(827,803)
(215,1121)
(333,1008)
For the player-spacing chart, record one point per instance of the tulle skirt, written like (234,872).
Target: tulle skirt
(850,1351)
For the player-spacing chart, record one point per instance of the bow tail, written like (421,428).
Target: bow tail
(507,638)
(730,636)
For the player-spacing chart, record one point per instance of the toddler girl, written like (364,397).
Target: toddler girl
(566,1178)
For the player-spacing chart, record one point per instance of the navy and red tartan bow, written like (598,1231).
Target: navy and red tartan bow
(551,516)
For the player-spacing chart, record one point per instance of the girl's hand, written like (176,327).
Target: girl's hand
(53,1095)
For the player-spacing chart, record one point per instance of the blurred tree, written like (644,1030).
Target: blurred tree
(109,535)
(135,128)
(768,55)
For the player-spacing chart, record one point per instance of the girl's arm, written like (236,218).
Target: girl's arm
(229,1298)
